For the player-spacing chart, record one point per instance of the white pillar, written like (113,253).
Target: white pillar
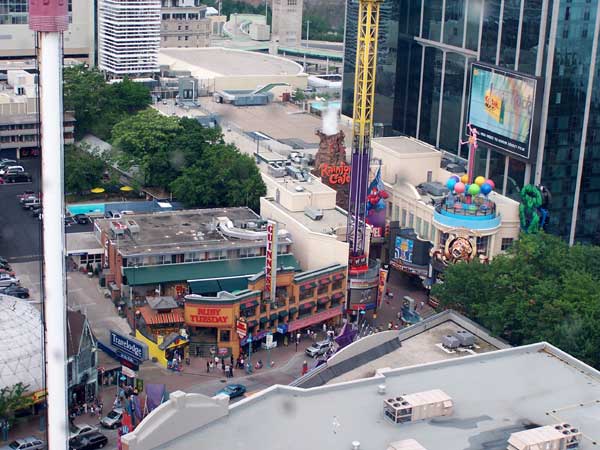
(51,110)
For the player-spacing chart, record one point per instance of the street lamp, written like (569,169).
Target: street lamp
(249,342)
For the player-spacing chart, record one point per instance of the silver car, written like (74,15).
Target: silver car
(29,443)
(318,349)
(112,419)
(80,430)
(7,280)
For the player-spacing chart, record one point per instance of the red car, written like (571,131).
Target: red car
(10,272)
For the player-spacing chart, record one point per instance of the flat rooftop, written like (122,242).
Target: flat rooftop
(82,243)
(333,219)
(165,232)
(213,62)
(494,394)
(406,145)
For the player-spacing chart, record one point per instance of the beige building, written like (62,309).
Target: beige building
(406,163)
(287,22)
(184,26)
(19,121)
(18,41)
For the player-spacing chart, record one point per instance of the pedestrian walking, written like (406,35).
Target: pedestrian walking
(422,304)
(231,371)
(223,365)
(100,408)
(399,315)
(216,361)
(227,370)
(85,407)
(304,368)
(298,337)
(207,367)
(324,328)
(231,359)
(92,410)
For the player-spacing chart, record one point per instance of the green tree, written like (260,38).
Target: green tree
(12,399)
(541,290)
(222,177)
(98,106)
(83,171)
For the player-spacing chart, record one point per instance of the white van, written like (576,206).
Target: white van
(11,169)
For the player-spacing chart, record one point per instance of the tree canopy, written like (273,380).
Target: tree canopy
(192,161)
(541,290)
(83,171)
(98,106)
(12,399)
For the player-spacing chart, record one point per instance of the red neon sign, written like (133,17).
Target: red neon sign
(336,174)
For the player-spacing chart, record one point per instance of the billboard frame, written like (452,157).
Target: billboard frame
(535,117)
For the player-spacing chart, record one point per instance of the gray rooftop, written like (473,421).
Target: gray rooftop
(333,219)
(166,232)
(85,242)
(494,394)
(405,145)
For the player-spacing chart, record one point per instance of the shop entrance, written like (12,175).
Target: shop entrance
(203,341)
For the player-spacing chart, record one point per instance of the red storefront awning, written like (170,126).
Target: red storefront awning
(156,318)
(316,318)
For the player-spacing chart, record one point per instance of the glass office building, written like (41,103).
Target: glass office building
(426,48)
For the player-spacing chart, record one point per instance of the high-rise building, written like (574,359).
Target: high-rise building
(128,37)
(426,52)
(18,41)
(184,24)
(287,22)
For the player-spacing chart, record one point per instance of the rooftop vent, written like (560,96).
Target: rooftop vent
(313,213)
(450,341)
(466,339)
(558,436)
(355,445)
(419,406)
(276,171)
(381,389)
(407,444)
(118,228)
(133,226)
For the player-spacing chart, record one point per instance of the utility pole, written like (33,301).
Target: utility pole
(49,19)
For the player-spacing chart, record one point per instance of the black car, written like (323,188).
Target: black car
(88,441)
(22,177)
(5,265)
(15,291)
(81,219)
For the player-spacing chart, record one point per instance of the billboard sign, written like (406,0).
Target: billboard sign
(271,260)
(502,108)
(241,328)
(207,316)
(129,346)
(403,250)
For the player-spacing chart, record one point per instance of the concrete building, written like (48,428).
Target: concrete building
(128,37)
(406,165)
(19,121)
(287,22)
(494,397)
(221,69)
(18,41)
(184,25)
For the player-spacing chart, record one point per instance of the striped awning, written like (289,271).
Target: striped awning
(306,286)
(251,304)
(338,276)
(325,280)
(337,296)
(308,305)
(156,318)
(323,300)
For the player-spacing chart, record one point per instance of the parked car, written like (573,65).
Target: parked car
(81,430)
(11,169)
(28,198)
(82,219)
(89,441)
(8,271)
(7,162)
(5,265)
(26,194)
(233,390)
(7,280)
(112,215)
(15,291)
(112,419)
(3,260)
(31,203)
(318,349)
(126,212)
(22,177)
(29,443)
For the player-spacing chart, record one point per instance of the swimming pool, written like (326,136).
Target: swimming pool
(320,106)
(88,208)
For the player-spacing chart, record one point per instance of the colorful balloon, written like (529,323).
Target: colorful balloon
(455,177)
(479,181)
(491,183)
(451,183)
(486,188)
(474,189)
(465,178)
(459,187)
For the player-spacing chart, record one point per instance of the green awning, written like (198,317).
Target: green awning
(251,304)
(323,300)
(252,323)
(273,316)
(205,287)
(263,320)
(203,271)
(233,284)
(283,313)
(293,309)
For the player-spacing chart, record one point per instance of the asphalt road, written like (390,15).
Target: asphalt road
(20,232)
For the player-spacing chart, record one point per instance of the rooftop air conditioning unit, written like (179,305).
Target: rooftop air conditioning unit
(450,341)
(313,213)
(277,172)
(561,436)
(118,228)
(407,444)
(419,406)
(466,339)
(133,226)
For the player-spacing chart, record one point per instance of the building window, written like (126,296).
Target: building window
(225,335)
(93,359)
(336,285)
(70,371)
(418,227)
(308,293)
(426,230)
(443,239)
(506,243)
(403,223)
(482,245)
(322,289)
(432,234)
(411,220)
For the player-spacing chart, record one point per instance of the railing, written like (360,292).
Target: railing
(459,206)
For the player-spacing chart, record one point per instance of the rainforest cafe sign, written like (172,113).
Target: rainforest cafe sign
(336,174)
